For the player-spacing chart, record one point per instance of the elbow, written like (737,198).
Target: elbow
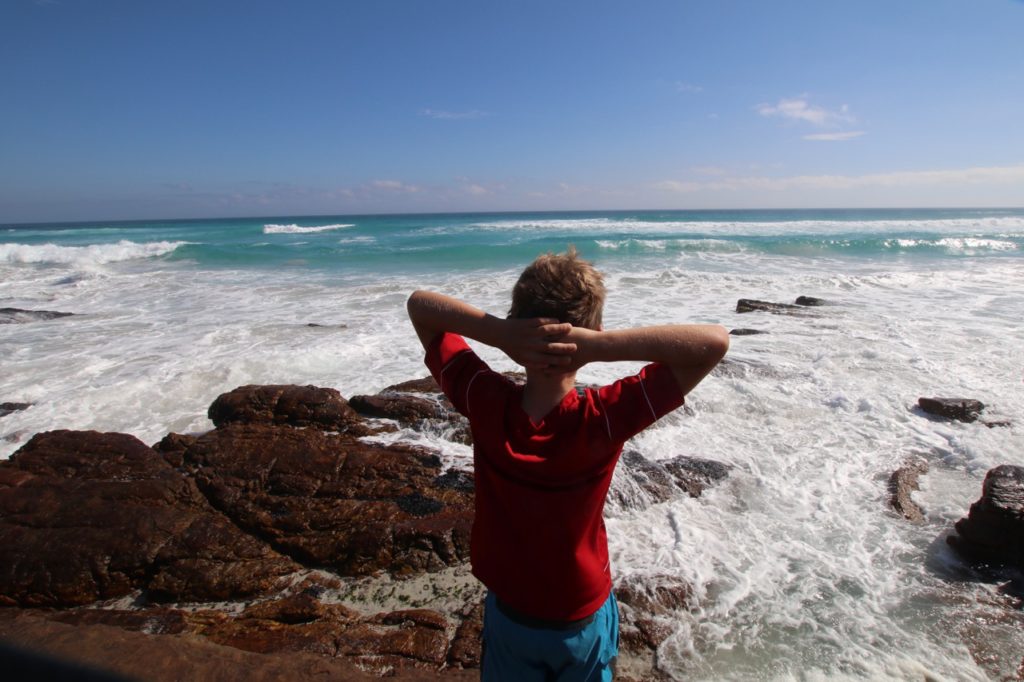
(717,344)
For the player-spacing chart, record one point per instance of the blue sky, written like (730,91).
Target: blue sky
(148,109)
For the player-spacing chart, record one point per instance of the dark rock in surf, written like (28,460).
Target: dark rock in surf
(416,404)
(810,301)
(993,531)
(649,608)
(959,409)
(19,316)
(639,482)
(902,483)
(748,305)
(7,408)
(746,332)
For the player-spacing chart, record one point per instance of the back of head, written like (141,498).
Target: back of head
(562,286)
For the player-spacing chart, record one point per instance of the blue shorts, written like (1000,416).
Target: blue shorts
(519,653)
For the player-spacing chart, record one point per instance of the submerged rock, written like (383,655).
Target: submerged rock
(993,532)
(639,482)
(808,301)
(959,409)
(749,305)
(746,332)
(902,483)
(7,408)
(19,316)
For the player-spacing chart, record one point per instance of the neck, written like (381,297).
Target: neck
(544,391)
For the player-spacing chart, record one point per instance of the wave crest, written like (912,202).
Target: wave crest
(93,254)
(300,229)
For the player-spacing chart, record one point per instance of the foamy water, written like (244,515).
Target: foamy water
(799,569)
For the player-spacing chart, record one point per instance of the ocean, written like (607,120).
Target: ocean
(799,568)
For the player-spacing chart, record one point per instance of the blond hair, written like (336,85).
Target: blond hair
(562,286)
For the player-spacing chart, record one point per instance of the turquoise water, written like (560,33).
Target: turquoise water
(370,245)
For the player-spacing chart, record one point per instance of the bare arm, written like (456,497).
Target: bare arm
(690,350)
(534,343)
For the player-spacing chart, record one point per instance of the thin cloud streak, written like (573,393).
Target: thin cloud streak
(453,115)
(992,175)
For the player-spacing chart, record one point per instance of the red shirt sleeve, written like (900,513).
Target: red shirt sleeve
(455,368)
(632,404)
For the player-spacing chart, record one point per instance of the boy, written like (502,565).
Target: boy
(544,454)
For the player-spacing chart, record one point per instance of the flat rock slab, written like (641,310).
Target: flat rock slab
(959,409)
(87,516)
(993,531)
(19,316)
(330,501)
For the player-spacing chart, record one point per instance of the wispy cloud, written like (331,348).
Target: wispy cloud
(689,88)
(834,137)
(453,115)
(800,109)
(978,175)
(394,186)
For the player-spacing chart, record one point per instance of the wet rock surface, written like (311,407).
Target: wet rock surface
(19,316)
(750,305)
(8,408)
(902,483)
(993,532)
(959,409)
(746,332)
(810,301)
(323,408)
(639,482)
(87,516)
(417,404)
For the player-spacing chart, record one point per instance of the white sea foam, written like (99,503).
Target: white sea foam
(300,229)
(94,254)
(1007,225)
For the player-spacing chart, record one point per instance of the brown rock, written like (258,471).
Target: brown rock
(184,656)
(960,409)
(901,484)
(331,501)
(406,409)
(322,408)
(649,606)
(466,645)
(993,532)
(87,516)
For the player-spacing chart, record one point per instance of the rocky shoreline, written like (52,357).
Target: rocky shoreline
(279,532)
(284,543)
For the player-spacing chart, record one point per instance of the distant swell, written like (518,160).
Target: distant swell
(94,254)
(299,229)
